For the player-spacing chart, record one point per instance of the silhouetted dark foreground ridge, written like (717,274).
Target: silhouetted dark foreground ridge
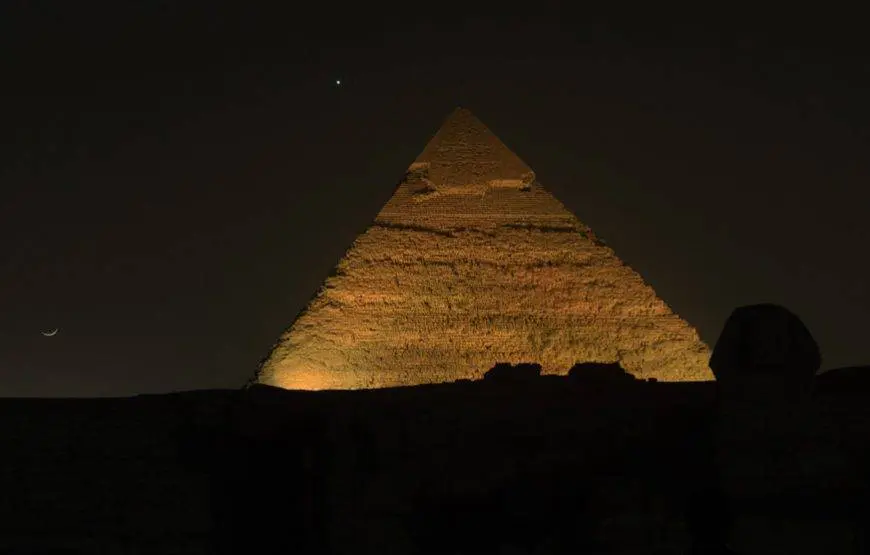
(768,459)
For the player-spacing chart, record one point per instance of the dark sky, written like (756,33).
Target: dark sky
(178,178)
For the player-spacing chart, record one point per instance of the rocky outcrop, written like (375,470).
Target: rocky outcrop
(470,263)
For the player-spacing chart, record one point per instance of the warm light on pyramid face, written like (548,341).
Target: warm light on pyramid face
(470,263)
(321,371)
(307,376)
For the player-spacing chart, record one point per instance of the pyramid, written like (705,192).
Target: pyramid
(470,263)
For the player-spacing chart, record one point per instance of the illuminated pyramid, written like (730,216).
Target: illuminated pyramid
(470,263)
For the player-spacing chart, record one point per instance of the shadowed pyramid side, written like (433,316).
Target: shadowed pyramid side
(470,263)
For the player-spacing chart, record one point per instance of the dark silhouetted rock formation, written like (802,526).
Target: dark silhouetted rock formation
(768,429)
(600,373)
(765,344)
(506,372)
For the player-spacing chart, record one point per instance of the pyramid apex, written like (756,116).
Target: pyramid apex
(466,153)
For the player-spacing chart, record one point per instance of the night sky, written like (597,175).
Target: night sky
(178,178)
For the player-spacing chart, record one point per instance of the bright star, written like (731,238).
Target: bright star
(338,81)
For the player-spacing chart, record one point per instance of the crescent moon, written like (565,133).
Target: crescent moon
(50,333)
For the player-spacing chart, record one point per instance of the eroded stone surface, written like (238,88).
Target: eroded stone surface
(470,263)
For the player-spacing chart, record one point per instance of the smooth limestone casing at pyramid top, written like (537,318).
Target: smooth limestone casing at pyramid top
(470,263)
